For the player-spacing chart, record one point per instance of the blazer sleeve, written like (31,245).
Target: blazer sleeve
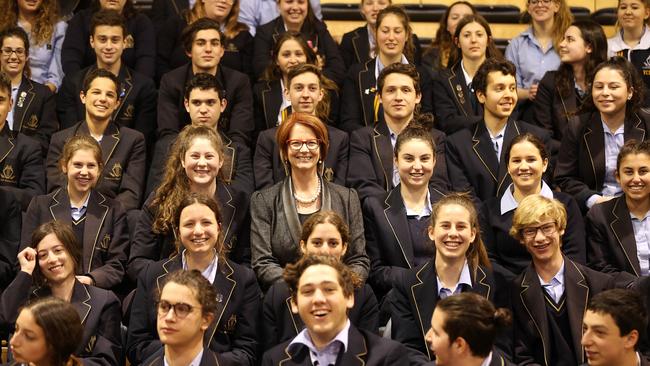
(142,336)
(351,116)
(161,150)
(369,310)
(13,298)
(112,272)
(145,111)
(405,328)
(270,320)
(108,343)
(144,245)
(243,178)
(32,177)
(31,220)
(543,103)
(342,160)
(573,241)
(49,122)
(334,65)
(447,116)
(455,167)
(489,238)
(241,125)
(347,50)
(523,354)
(362,177)
(9,236)
(262,49)
(263,161)
(168,113)
(132,184)
(356,256)
(54,176)
(167,43)
(74,44)
(263,215)
(66,102)
(145,50)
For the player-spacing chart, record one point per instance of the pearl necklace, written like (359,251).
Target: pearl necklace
(311,200)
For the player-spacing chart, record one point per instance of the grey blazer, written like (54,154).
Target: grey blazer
(275,229)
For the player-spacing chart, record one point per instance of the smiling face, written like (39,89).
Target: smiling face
(325,239)
(634,177)
(198,229)
(473,40)
(290,54)
(632,14)
(603,342)
(542,240)
(321,303)
(543,10)
(293,12)
(117,5)
(391,36)
(207,50)
(370,9)
(14,64)
(452,232)
(305,92)
(399,97)
(573,49)
(108,43)
(54,261)
(205,107)
(28,343)
(82,171)
(500,95)
(303,159)
(181,332)
(415,162)
(100,100)
(217,9)
(438,339)
(201,162)
(526,166)
(610,92)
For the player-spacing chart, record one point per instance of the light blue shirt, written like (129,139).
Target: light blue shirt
(195,362)
(286,102)
(79,212)
(487,361)
(210,272)
(426,210)
(554,288)
(465,279)
(372,42)
(254,13)
(497,141)
(329,353)
(45,59)
(532,63)
(613,144)
(379,66)
(509,203)
(14,99)
(642,239)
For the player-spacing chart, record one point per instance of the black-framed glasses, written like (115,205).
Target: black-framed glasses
(7,51)
(181,309)
(535,2)
(296,145)
(547,229)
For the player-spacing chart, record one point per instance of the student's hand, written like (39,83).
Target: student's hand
(86,280)
(51,86)
(532,92)
(27,260)
(604,199)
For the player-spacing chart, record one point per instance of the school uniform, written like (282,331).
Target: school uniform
(236,120)
(581,163)
(139,54)
(276,228)
(371,155)
(34,112)
(9,236)
(644,361)
(362,104)
(124,153)
(161,10)
(21,166)
(612,246)
(233,333)
(208,358)
(546,331)
(363,348)
(101,231)
(552,110)
(266,35)
(270,169)
(455,105)
(414,298)
(392,242)
(282,324)
(355,47)
(148,247)
(137,108)
(238,51)
(638,55)
(472,158)
(98,309)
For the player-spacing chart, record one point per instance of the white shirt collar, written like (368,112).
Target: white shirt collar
(195,362)
(468,79)
(379,66)
(487,360)
(509,203)
(210,273)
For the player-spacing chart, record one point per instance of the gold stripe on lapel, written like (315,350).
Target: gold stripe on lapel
(586,300)
(101,224)
(417,309)
(295,326)
(620,242)
(217,321)
(401,248)
(475,142)
(591,159)
(530,315)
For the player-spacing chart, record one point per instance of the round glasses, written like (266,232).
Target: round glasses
(181,309)
(531,232)
(296,145)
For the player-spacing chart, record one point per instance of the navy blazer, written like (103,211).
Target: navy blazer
(364,349)
(276,228)
(35,112)
(21,166)
(358,94)
(105,246)
(388,241)
(553,111)
(612,246)
(236,120)
(266,35)
(233,334)
(123,151)
(371,155)
(282,324)
(355,47)
(161,10)
(269,168)
(148,247)
(137,108)
(531,327)
(139,54)
(98,309)
(414,298)
(453,101)
(472,162)
(10,216)
(581,163)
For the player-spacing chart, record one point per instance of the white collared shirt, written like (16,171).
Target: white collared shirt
(509,203)
(79,212)
(465,279)
(616,43)
(468,79)
(286,102)
(379,66)
(426,210)
(329,353)
(497,141)
(554,288)
(195,362)
(14,98)
(210,273)
(487,360)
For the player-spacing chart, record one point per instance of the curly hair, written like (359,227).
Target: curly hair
(348,280)
(232,25)
(43,27)
(273,71)
(443,40)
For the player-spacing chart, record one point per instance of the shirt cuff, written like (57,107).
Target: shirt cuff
(592,200)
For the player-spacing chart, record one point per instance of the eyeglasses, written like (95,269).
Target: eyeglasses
(296,145)
(7,51)
(181,309)
(531,232)
(535,2)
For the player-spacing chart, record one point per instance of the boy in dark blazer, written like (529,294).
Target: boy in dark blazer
(322,293)
(203,42)
(33,111)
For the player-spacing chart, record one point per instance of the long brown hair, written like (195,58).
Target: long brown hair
(43,27)
(232,26)
(273,71)
(561,21)
(409,47)
(443,40)
(491,50)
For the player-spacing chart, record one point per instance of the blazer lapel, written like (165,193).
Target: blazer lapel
(484,150)
(81,300)
(172,264)
(395,214)
(357,349)
(230,157)
(634,129)
(60,206)
(228,210)
(595,142)
(384,151)
(95,216)
(6,142)
(290,212)
(271,102)
(532,299)
(569,104)
(225,285)
(367,91)
(296,321)
(109,142)
(126,81)
(624,232)
(424,296)
(25,97)
(479,285)
(512,130)
(458,86)
(360,44)
(577,295)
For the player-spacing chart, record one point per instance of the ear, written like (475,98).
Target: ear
(303,247)
(617,176)
(92,41)
(224,104)
(321,93)
(630,93)
(418,97)
(349,302)
(186,103)
(286,91)
(206,320)
(430,232)
(589,48)
(82,96)
(631,339)
(480,96)
(345,250)
(294,305)
(544,165)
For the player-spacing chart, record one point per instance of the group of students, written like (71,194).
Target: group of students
(205,221)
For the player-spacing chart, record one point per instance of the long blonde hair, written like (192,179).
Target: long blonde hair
(561,21)
(42,29)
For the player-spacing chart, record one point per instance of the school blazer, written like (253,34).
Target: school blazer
(358,93)
(139,54)
(364,348)
(453,101)
(266,35)
(35,112)
(10,216)
(282,324)
(552,111)
(105,246)
(148,247)
(414,298)
(270,169)
(209,358)
(581,163)
(123,151)
(137,108)
(531,333)
(236,120)
(21,166)
(161,10)
(355,47)
(275,229)
(99,310)
(371,156)
(388,241)
(612,245)
(474,166)
(233,334)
